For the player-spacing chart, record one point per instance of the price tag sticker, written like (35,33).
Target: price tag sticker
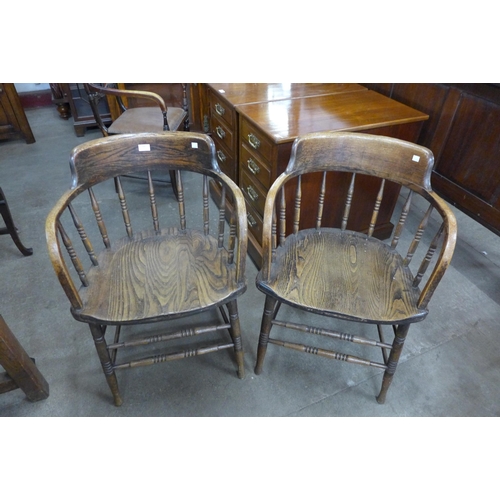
(416,158)
(194,145)
(144,147)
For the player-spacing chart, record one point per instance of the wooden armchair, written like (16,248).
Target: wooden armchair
(172,267)
(332,271)
(136,120)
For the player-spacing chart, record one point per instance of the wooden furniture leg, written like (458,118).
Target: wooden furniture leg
(9,225)
(270,311)
(20,369)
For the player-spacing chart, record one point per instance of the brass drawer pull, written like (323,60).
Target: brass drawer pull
(220,132)
(254,142)
(221,156)
(253,167)
(219,109)
(252,193)
(251,221)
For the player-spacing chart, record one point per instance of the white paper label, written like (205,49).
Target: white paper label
(144,147)
(194,145)
(416,158)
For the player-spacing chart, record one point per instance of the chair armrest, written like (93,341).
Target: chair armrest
(447,249)
(240,210)
(55,254)
(144,94)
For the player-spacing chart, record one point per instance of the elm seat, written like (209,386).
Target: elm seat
(344,274)
(331,270)
(137,120)
(158,276)
(150,259)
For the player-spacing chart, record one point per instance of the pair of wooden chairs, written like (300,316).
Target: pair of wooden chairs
(177,266)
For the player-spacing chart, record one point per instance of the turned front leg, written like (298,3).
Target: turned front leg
(270,310)
(392,363)
(106,363)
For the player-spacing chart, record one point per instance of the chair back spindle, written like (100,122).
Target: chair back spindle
(348,202)
(152,201)
(180,198)
(282,216)
(232,239)
(100,221)
(321,201)
(376,208)
(298,201)
(206,215)
(73,255)
(418,236)
(274,235)
(428,257)
(83,235)
(124,208)
(402,219)
(222,217)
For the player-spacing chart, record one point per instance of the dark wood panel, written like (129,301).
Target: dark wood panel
(463,132)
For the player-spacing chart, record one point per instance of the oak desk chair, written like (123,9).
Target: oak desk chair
(175,265)
(135,120)
(339,273)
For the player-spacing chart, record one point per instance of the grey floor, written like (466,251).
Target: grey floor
(450,366)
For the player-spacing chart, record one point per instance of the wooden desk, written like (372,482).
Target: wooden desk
(224,100)
(266,132)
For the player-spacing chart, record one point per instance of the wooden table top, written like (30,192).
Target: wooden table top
(245,93)
(283,121)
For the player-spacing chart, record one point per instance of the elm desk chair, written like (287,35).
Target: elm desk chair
(173,265)
(134,120)
(332,271)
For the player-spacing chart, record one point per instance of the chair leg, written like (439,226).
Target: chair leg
(235,331)
(106,363)
(10,227)
(269,313)
(397,347)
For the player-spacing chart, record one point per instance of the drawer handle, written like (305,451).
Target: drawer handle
(252,193)
(219,109)
(220,132)
(254,142)
(253,167)
(221,156)
(251,221)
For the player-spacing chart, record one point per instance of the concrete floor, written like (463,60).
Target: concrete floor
(450,365)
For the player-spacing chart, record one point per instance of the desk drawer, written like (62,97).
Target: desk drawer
(226,161)
(253,192)
(220,109)
(255,223)
(256,141)
(254,167)
(222,134)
